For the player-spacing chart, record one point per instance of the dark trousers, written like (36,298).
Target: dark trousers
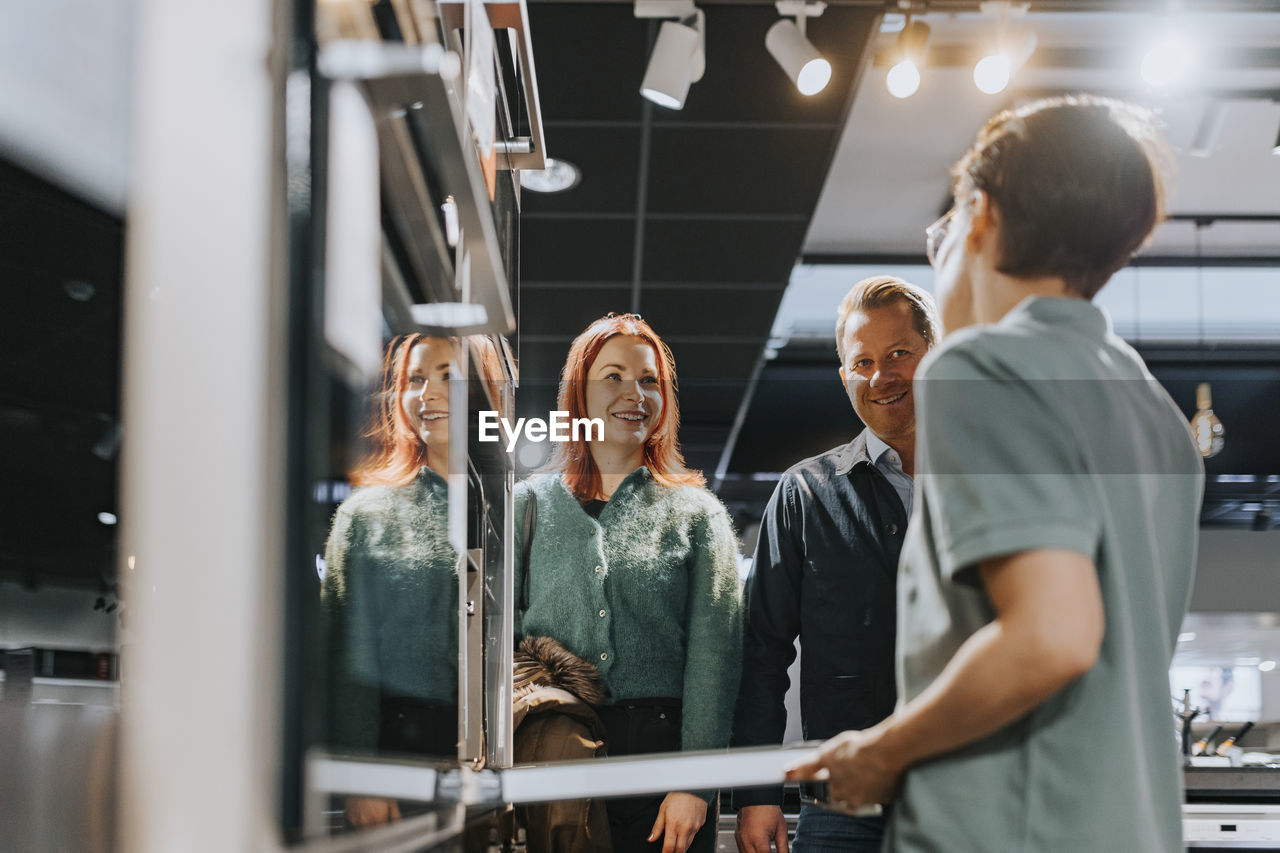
(823,831)
(640,726)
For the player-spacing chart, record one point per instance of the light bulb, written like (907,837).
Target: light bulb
(991,74)
(814,77)
(903,79)
(1168,62)
(1205,426)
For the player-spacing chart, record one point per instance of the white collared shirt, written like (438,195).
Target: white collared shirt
(889,463)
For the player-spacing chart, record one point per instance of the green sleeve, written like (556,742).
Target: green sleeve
(350,610)
(713,656)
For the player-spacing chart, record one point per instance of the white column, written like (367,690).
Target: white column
(200,482)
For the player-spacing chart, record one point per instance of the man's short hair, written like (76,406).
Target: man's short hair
(1077,183)
(881,290)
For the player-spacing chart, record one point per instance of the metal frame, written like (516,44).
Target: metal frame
(605,777)
(417,84)
(523,152)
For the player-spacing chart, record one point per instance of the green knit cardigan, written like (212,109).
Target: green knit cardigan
(390,595)
(649,593)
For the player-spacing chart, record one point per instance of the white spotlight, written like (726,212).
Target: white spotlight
(1168,61)
(1015,42)
(991,74)
(678,59)
(558,176)
(903,79)
(107,518)
(798,57)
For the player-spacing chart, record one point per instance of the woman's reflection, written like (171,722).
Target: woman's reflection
(391,587)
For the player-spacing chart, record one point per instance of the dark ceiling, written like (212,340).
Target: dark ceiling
(694,218)
(59,395)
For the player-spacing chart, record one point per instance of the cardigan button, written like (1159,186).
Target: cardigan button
(599,569)
(893,529)
(604,656)
(601,614)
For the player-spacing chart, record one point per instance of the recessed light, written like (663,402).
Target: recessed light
(79,290)
(1186,636)
(558,176)
(1267,665)
(107,518)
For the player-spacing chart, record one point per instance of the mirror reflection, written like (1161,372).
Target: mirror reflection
(627,596)
(390,591)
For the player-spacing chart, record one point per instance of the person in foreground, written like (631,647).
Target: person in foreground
(1047,572)
(826,564)
(633,567)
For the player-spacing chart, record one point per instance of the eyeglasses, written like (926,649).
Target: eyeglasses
(935,234)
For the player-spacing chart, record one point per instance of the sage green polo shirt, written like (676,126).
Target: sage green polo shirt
(1047,431)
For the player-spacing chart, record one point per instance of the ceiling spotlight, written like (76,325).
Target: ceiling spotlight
(679,54)
(107,518)
(793,51)
(991,74)
(558,176)
(904,77)
(1014,46)
(1168,61)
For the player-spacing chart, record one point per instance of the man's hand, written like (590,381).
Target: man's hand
(372,811)
(757,826)
(858,769)
(680,816)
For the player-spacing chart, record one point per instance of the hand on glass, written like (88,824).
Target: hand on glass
(759,825)
(857,769)
(680,817)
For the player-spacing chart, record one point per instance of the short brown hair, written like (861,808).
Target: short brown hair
(1077,181)
(881,290)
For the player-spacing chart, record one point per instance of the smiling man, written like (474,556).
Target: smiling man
(1043,584)
(825,567)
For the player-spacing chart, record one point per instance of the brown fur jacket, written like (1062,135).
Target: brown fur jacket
(543,662)
(555,721)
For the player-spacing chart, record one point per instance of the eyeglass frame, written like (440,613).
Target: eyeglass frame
(935,234)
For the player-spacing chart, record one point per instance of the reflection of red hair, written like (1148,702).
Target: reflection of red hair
(399,452)
(662,453)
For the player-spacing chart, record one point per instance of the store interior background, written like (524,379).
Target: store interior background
(733,226)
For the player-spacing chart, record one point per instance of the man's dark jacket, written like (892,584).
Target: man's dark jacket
(825,570)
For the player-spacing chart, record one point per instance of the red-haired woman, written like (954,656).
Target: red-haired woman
(633,567)
(391,588)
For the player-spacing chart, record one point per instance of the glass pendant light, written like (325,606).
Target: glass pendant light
(1205,426)
(1207,430)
